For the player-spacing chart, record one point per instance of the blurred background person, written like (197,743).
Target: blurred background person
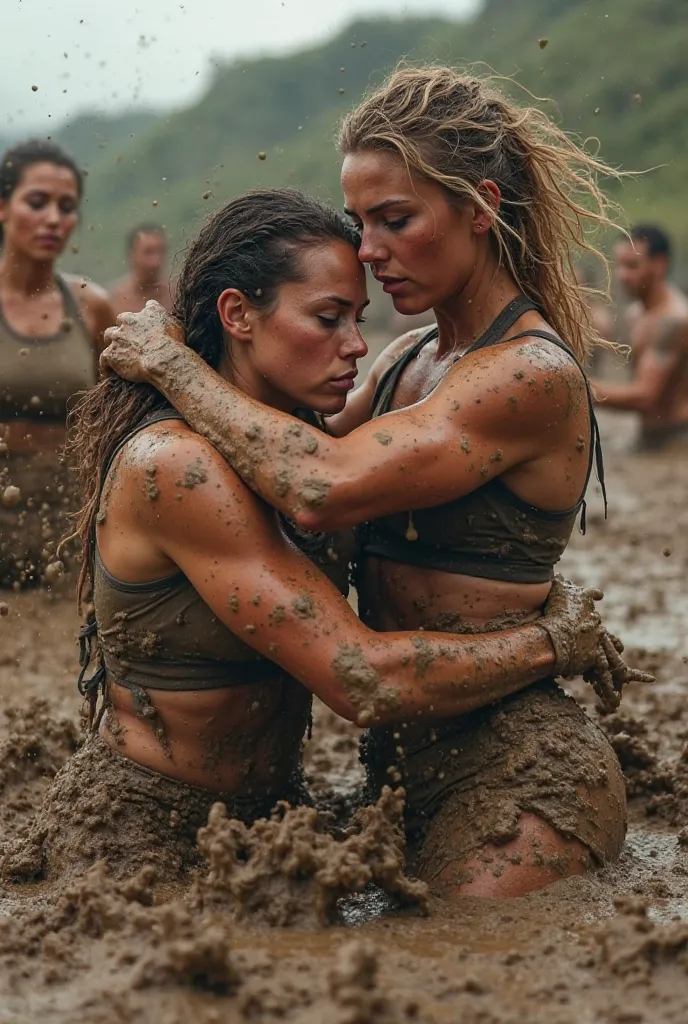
(51,329)
(657,324)
(147,277)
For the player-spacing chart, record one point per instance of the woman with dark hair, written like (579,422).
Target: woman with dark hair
(214,630)
(51,331)
(466,454)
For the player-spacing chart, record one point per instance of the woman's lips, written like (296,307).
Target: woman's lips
(346,382)
(392,285)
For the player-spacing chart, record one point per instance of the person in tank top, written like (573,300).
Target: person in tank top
(51,331)
(469,497)
(466,455)
(214,620)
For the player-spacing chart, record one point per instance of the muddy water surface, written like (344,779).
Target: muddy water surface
(612,947)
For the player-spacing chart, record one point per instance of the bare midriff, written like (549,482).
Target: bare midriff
(244,740)
(396,596)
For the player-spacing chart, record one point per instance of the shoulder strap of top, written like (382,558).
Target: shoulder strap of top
(71,306)
(596,448)
(159,416)
(386,386)
(503,321)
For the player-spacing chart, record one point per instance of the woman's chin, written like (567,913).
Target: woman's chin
(327,405)
(410,305)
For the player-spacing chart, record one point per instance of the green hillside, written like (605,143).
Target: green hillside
(616,70)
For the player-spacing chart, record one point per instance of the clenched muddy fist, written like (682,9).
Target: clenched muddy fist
(141,342)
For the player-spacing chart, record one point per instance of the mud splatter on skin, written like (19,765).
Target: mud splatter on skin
(303,607)
(150,489)
(383,437)
(194,474)
(145,709)
(362,684)
(314,492)
(277,615)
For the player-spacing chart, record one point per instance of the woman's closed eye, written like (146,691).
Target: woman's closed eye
(396,225)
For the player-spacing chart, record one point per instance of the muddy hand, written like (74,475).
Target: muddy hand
(141,342)
(611,673)
(582,644)
(574,626)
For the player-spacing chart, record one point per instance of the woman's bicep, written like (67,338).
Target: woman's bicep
(228,545)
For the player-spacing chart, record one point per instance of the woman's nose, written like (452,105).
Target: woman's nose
(370,250)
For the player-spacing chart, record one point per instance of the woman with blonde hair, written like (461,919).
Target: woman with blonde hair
(465,455)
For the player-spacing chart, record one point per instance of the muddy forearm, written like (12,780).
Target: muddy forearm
(279,457)
(440,675)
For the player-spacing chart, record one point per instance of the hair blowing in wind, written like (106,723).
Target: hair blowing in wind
(459,131)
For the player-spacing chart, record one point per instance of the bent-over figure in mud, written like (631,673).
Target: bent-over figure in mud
(658,325)
(465,455)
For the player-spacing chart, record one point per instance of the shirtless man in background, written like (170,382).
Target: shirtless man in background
(147,279)
(658,333)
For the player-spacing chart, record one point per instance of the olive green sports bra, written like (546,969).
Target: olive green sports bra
(162,635)
(490,533)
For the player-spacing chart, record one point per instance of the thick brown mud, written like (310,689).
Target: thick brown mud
(297,920)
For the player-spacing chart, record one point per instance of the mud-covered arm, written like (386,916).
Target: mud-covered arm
(653,372)
(484,417)
(271,596)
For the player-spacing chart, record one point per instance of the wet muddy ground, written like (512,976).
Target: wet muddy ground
(612,947)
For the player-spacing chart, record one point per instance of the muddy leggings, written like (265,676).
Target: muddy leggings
(468,779)
(104,806)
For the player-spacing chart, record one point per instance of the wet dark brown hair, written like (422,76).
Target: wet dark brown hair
(253,244)
(458,130)
(36,151)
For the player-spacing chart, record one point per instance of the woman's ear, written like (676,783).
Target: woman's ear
(235,311)
(483,219)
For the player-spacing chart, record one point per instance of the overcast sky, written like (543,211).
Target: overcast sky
(108,54)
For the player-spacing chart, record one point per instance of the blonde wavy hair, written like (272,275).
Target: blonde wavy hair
(459,130)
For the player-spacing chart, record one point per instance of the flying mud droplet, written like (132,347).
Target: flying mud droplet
(596,111)
(542,42)
(34,88)
(411,531)
(4,609)
(666,552)
(154,203)
(207,195)
(637,97)
(11,496)
(262,155)
(54,571)
(341,91)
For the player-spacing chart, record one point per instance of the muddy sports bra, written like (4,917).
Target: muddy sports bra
(39,375)
(162,635)
(489,533)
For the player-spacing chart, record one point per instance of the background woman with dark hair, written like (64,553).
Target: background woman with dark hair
(51,330)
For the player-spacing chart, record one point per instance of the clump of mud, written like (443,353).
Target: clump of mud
(145,945)
(354,992)
(286,871)
(37,744)
(634,947)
